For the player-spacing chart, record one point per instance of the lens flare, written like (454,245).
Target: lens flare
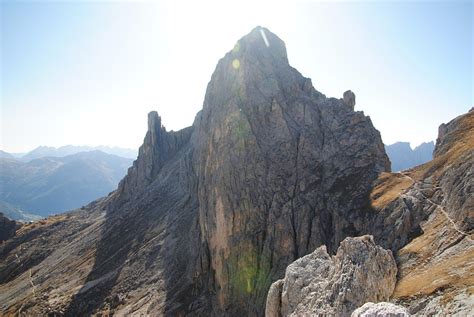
(264,36)
(236,63)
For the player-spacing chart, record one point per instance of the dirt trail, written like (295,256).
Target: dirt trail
(443,211)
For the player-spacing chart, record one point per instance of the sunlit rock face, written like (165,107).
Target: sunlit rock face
(209,216)
(382,309)
(320,285)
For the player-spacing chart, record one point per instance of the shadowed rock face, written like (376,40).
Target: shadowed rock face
(281,170)
(7,228)
(209,216)
(349,99)
(425,216)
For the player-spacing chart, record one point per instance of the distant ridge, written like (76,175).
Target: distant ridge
(50,185)
(45,151)
(403,156)
(6,155)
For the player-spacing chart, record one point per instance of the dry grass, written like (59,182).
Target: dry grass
(40,223)
(462,141)
(427,267)
(434,271)
(389,187)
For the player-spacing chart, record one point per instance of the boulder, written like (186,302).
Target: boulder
(319,283)
(382,309)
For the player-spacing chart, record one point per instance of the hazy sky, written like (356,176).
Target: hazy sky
(87,73)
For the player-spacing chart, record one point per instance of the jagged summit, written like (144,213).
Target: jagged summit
(209,216)
(261,42)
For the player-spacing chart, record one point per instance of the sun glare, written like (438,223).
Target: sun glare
(236,63)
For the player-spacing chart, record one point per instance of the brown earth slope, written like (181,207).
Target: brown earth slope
(436,269)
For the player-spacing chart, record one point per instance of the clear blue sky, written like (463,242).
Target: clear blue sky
(87,73)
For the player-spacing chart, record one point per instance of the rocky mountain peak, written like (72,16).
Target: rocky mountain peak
(261,43)
(275,161)
(209,216)
(158,147)
(349,98)
(154,122)
(257,64)
(450,133)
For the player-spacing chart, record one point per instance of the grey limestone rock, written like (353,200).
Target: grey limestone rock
(349,98)
(382,309)
(319,284)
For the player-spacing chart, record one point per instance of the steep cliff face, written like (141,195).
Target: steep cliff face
(209,216)
(282,170)
(425,215)
(157,149)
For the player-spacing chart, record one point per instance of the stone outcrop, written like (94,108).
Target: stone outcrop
(349,99)
(382,309)
(158,147)
(318,284)
(448,134)
(7,228)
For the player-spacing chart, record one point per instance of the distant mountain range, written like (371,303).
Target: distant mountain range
(16,213)
(403,156)
(49,180)
(6,155)
(51,185)
(45,151)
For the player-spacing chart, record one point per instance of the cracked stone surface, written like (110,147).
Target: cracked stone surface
(382,309)
(318,284)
